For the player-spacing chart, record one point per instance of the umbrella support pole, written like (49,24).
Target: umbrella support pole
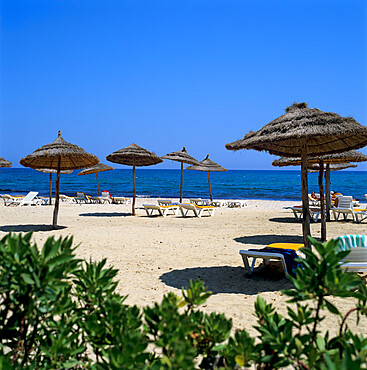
(134,192)
(97,183)
(322,201)
(305,206)
(50,188)
(327,192)
(181,182)
(56,209)
(210,187)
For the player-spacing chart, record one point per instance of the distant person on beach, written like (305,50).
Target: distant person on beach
(314,196)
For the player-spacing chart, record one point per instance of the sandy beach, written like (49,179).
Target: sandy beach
(156,255)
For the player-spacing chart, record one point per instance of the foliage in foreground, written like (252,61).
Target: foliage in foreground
(61,312)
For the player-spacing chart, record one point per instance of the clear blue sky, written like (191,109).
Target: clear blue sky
(167,74)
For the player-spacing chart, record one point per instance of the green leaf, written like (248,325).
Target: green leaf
(27,278)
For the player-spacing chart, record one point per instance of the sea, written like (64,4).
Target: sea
(165,183)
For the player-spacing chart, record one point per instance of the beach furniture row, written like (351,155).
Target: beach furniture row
(287,253)
(345,206)
(186,209)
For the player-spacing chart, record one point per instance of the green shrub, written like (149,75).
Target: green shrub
(58,311)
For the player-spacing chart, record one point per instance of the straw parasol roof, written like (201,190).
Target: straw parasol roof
(346,157)
(207,165)
(183,157)
(305,132)
(134,155)
(324,132)
(5,163)
(59,155)
(47,170)
(95,169)
(332,167)
(71,156)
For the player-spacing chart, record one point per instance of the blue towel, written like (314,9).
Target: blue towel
(289,256)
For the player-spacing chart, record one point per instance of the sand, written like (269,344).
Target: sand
(156,255)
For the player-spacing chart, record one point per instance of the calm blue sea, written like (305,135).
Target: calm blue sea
(238,184)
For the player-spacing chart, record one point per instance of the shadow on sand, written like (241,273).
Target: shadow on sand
(228,279)
(268,239)
(27,228)
(286,220)
(105,214)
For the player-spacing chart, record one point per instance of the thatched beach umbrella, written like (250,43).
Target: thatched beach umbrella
(327,160)
(5,163)
(208,165)
(134,155)
(95,169)
(67,172)
(183,157)
(332,167)
(59,155)
(305,132)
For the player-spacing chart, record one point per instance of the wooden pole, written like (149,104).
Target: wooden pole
(56,209)
(210,187)
(97,184)
(327,192)
(133,205)
(305,208)
(181,182)
(322,200)
(50,188)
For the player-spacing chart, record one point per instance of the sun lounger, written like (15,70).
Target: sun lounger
(82,198)
(200,202)
(162,210)
(357,258)
(65,198)
(9,199)
(105,197)
(218,203)
(122,200)
(30,199)
(297,211)
(267,256)
(164,202)
(185,208)
(236,203)
(345,207)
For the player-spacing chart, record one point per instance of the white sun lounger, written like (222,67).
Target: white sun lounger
(65,198)
(218,203)
(164,202)
(162,210)
(297,211)
(198,211)
(236,203)
(81,198)
(30,199)
(122,200)
(267,256)
(345,207)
